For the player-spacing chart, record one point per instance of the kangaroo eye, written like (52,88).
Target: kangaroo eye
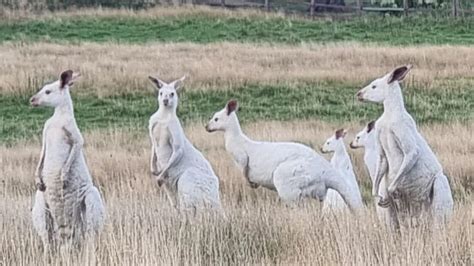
(172,94)
(47,92)
(373,86)
(161,93)
(358,137)
(215,119)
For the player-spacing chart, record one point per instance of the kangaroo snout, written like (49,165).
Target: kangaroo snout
(352,146)
(360,96)
(34,101)
(165,102)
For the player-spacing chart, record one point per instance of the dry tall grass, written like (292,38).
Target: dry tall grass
(157,12)
(142,229)
(115,68)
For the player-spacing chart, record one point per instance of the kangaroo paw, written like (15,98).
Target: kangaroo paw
(384,203)
(41,186)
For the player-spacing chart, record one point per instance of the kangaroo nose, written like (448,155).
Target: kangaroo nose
(359,95)
(352,145)
(166,101)
(33,101)
(208,129)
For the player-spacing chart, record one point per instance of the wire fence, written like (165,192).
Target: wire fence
(310,7)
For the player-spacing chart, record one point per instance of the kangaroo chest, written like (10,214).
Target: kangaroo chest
(342,163)
(392,150)
(370,160)
(57,149)
(163,140)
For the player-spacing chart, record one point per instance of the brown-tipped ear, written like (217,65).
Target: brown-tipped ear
(340,133)
(399,73)
(158,83)
(179,84)
(231,106)
(370,126)
(65,78)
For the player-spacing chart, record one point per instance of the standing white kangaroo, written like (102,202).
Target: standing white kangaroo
(293,170)
(367,139)
(188,178)
(341,161)
(67,206)
(416,181)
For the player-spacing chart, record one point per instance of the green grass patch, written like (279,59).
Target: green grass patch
(328,103)
(205,29)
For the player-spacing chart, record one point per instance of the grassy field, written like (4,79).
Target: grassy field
(335,104)
(295,80)
(111,69)
(143,229)
(202,28)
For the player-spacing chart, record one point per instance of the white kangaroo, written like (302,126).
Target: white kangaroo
(341,161)
(367,139)
(67,206)
(188,178)
(416,181)
(293,170)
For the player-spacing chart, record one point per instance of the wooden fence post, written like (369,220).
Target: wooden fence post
(405,7)
(359,7)
(311,8)
(267,5)
(455,8)
(223,3)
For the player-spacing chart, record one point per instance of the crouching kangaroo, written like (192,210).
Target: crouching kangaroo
(68,207)
(294,170)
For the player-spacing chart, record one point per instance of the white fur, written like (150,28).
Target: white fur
(368,141)
(416,181)
(71,207)
(293,170)
(187,176)
(341,161)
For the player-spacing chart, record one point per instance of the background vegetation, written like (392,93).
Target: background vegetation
(295,80)
(331,104)
(205,29)
(137,4)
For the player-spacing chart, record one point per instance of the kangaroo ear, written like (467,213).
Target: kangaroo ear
(231,106)
(370,126)
(158,83)
(178,84)
(65,79)
(399,73)
(340,133)
(75,75)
